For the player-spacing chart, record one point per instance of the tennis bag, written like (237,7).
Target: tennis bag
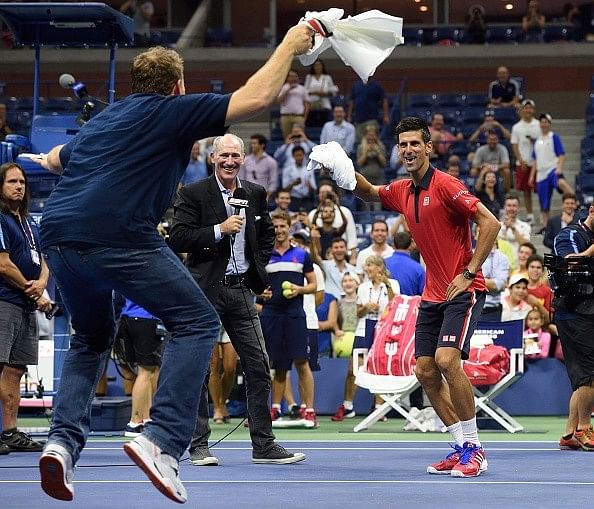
(393,349)
(486,365)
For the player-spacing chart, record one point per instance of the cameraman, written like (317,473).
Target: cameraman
(476,25)
(574,316)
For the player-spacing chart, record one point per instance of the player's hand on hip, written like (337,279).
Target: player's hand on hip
(299,38)
(458,285)
(231,225)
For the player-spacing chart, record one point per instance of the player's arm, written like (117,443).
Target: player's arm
(263,87)
(365,190)
(311,286)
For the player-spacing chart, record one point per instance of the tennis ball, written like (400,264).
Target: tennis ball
(343,347)
(287,292)
(286,285)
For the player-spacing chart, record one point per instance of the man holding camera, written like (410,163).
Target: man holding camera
(574,317)
(23,278)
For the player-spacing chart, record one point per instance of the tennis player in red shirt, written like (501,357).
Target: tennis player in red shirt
(438,209)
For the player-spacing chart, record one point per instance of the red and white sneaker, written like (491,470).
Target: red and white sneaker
(445,466)
(473,462)
(310,417)
(274,414)
(343,413)
(569,442)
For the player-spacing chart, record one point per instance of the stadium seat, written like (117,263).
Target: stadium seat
(501,35)
(460,148)
(58,104)
(412,36)
(422,101)
(477,100)
(588,166)
(473,115)
(587,147)
(586,183)
(423,113)
(558,33)
(506,115)
(446,35)
(589,130)
(218,38)
(450,100)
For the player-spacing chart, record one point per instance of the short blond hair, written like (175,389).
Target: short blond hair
(156,71)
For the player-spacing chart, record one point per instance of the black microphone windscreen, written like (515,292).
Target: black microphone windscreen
(240,193)
(66,80)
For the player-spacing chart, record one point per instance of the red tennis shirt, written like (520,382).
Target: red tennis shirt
(438,212)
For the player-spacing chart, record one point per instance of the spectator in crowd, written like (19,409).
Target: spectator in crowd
(196,169)
(336,266)
(223,363)
(326,190)
(327,313)
(547,168)
(283,318)
(294,103)
(339,130)
(513,229)
(524,134)
(141,11)
(326,233)
(441,137)
(525,251)
(496,273)
(493,156)
(299,180)
(372,298)
(320,87)
(347,321)
(575,323)
(395,162)
(409,273)
(23,278)
(537,341)
(371,158)
(533,23)
(227,254)
(504,92)
(556,223)
(476,25)
(486,190)
(453,166)
(367,104)
(142,338)
(489,124)
(540,294)
(296,138)
(259,167)
(4,127)
(379,246)
(514,305)
(282,199)
(585,21)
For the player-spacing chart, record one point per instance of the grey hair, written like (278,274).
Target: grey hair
(219,139)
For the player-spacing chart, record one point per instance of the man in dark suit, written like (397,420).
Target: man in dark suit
(227,255)
(556,223)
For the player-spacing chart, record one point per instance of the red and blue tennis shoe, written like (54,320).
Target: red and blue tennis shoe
(466,461)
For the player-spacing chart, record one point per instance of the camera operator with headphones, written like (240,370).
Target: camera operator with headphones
(572,279)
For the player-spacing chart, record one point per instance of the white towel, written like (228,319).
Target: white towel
(363,41)
(330,156)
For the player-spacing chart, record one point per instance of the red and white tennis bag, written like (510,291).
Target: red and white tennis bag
(393,349)
(486,365)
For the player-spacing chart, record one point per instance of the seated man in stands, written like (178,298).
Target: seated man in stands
(442,139)
(299,180)
(495,156)
(489,124)
(504,92)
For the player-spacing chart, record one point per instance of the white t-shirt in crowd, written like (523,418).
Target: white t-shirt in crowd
(309,299)
(523,135)
(366,293)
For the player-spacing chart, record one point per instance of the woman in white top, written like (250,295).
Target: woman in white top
(320,88)
(372,298)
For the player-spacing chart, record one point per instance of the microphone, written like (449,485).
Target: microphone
(239,200)
(67,81)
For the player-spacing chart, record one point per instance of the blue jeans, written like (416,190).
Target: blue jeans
(158,281)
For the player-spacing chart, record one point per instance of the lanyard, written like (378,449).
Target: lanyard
(30,238)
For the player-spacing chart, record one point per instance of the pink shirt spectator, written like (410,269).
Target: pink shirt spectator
(544,343)
(262,171)
(294,101)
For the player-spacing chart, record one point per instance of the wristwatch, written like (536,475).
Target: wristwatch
(468,275)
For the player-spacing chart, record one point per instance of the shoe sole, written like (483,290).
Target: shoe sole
(52,474)
(157,481)
(131,434)
(588,448)
(296,458)
(206,462)
(570,447)
(434,471)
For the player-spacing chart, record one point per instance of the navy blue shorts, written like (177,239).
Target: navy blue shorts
(367,341)
(450,323)
(286,339)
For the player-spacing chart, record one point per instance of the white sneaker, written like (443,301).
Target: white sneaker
(162,469)
(57,472)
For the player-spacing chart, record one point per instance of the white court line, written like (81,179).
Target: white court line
(315,481)
(441,448)
(317,440)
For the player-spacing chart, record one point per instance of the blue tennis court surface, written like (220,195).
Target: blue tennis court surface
(335,474)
